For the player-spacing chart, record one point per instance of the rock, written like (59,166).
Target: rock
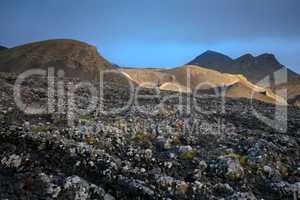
(143,170)
(161,143)
(137,155)
(223,188)
(78,189)
(184,149)
(168,165)
(243,196)
(187,152)
(108,197)
(173,155)
(27,125)
(181,187)
(234,171)
(198,186)
(286,190)
(231,168)
(165,181)
(51,189)
(13,161)
(148,154)
(202,165)
(168,144)
(298,170)
(268,170)
(139,185)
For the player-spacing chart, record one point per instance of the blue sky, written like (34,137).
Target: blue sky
(162,33)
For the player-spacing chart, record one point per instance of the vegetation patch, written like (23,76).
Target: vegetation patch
(189,155)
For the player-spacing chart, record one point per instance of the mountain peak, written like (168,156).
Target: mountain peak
(76,58)
(247,56)
(215,53)
(211,52)
(267,55)
(246,60)
(268,58)
(211,58)
(255,68)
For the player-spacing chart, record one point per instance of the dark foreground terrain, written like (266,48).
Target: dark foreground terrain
(213,154)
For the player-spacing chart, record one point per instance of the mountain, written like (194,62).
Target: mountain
(2,48)
(188,78)
(76,58)
(81,60)
(254,68)
(212,59)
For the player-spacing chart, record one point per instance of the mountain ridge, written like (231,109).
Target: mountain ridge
(255,68)
(76,58)
(176,79)
(260,70)
(81,60)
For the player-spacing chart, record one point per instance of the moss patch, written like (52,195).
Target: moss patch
(189,155)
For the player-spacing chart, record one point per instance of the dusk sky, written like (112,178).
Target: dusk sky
(161,33)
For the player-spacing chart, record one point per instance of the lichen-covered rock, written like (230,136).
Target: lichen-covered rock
(243,196)
(78,189)
(137,155)
(223,189)
(231,168)
(286,190)
(12,161)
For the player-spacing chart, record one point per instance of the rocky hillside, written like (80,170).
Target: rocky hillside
(176,79)
(76,58)
(173,154)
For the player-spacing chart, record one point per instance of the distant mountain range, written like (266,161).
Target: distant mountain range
(254,68)
(81,60)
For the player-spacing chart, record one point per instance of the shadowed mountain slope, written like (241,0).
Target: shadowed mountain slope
(77,59)
(213,60)
(253,68)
